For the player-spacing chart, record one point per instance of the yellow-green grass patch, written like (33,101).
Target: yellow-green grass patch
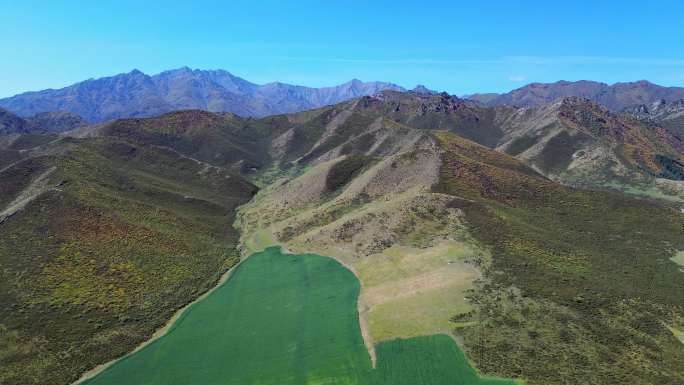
(420,314)
(408,291)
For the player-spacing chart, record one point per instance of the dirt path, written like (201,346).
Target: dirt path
(31,192)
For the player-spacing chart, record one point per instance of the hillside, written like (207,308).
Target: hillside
(43,123)
(11,123)
(450,214)
(566,281)
(573,141)
(542,282)
(668,114)
(578,142)
(55,122)
(115,237)
(218,139)
(616,97)
(136,94)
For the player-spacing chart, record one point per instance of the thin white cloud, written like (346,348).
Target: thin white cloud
(391,61)
(598,60)
(530,60)
(517,78)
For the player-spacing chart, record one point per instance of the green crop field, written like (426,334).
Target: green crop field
(430,360)
(280,319)
(286,319)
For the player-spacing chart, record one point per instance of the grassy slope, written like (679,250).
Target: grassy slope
(221,140)
(409,289)
(414,291)
(124,236)
(581,281)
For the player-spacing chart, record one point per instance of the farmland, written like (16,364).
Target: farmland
(280,319)
(287,319)
(429,360)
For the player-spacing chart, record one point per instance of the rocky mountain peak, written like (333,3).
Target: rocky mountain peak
(421,89)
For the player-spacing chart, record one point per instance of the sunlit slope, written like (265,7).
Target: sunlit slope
(577,142)
(572,140)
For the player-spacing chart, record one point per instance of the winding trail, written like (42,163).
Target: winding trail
(37,187)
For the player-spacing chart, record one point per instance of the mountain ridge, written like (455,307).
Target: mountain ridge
(136,94)
(616,97)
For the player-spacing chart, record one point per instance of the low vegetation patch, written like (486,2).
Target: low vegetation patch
(344,171)
(520,145)
(679,258)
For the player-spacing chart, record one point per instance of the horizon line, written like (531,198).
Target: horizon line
(512,78)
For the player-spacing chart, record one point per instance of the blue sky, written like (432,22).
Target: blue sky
(457,46)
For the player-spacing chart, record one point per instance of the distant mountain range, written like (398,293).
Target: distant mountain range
(616,97)
(136,94)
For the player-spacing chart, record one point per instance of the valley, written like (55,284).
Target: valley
(341,193)
(474,244)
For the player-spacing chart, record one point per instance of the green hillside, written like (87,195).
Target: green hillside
(102,240)
(581,284)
